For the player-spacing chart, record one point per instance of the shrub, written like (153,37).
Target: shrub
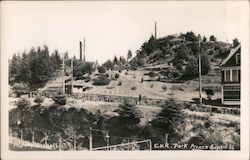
(176,73)
(87,79)
(208,123)
(152,85)
(117,75)
(133,88)
(39,100)
(126,73)
(107,75)
(23,103)
(102,69)
(120,83)
(142,80)
(179,66)
(209,93)
(164,87)
(159,78)
(101,81)
(152,74)
(59,99)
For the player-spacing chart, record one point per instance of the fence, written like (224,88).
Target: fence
(44,139)
(39,139)
(133,146)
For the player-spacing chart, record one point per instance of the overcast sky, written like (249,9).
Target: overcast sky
(111,28)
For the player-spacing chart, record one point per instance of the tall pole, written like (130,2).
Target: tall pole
(90,138)
(155,31)
(72,70)
(63,90)
(80,51)
(200,88)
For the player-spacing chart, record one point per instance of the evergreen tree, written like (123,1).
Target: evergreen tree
(129,55)
(235,42)
(115,61)
(213,38)
(126,123)
(191,70)
(170,116)
(149,46)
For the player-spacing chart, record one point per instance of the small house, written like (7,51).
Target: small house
(230,77)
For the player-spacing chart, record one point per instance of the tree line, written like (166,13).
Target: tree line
(35,67)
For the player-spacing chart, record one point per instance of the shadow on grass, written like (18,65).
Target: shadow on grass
(214,102)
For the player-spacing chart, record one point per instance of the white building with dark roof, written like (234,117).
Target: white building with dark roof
(231,74)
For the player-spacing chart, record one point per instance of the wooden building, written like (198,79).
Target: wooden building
(230,73)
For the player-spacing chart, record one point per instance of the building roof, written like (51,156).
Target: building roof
(232,52)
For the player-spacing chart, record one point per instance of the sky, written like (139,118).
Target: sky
(111,28)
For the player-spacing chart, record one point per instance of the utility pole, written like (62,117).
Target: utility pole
(63,90)
(200,88)
(155,31)
(72,76)
(80,51)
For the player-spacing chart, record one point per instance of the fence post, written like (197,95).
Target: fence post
(166,136)
(150,145)
(59,145)
(21,140)
(33,137)
(75,142)
(10,136)
(46,138)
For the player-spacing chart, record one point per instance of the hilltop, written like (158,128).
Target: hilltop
(175,57)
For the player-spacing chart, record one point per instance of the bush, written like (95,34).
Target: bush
(142,80)
(159,78)
(179,66)
(133,88)
(120,83)
(59,99)
(39,100)
(152,74)
(126,73)
(176,73)
(209,93)
(102,69)
(117,75)
(101,81)
(164,87)
(87,79)
(23,103)
(152,85)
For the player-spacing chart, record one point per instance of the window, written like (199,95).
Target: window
(231,93)
(235,75)
(227,75)
(237,58)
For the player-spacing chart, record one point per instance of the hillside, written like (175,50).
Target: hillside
(174,58)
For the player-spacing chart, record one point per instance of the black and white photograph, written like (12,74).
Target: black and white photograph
(165,76)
